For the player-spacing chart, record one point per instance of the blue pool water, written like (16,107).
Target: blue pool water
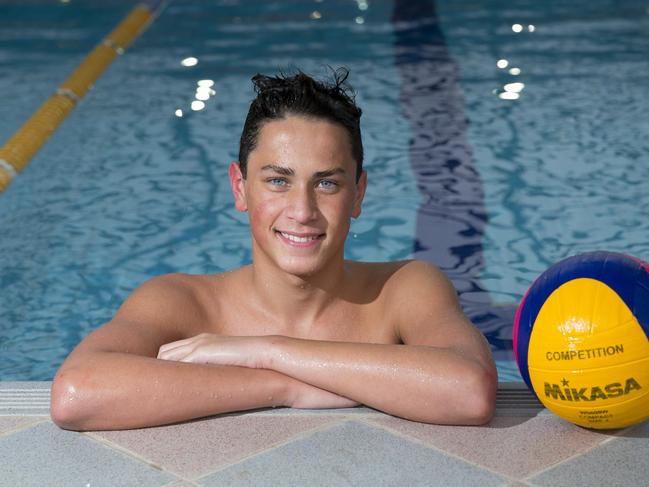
(493,190)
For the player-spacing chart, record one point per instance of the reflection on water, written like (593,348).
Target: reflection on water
(451,219)
(491,188)
(135,182)
(564,164)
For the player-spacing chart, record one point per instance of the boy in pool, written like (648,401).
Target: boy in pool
(300,326)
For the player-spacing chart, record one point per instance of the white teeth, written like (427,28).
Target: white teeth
(295,238)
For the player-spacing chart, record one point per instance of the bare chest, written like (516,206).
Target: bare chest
(351,323)
(227,310)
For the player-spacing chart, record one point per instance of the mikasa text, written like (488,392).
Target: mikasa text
(615,389)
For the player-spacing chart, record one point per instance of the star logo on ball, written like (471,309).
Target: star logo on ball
(565,383)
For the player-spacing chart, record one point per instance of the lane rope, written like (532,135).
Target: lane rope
(28,139)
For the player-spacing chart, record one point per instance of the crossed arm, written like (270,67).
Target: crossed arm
(443,373)
(420,383)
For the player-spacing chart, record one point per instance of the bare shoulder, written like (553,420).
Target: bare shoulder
(369,274)
(417,270)
(162,309)
(396,281)
(419,279)
(162,299)
(423,304)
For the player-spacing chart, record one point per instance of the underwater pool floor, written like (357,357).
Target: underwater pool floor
(523,445)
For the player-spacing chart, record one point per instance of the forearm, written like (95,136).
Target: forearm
(123,391)
(420,383)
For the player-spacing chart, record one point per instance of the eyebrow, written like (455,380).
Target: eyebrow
(329,172)
(284,171)
(287,171)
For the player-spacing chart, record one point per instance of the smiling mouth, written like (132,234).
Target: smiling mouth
(303,238)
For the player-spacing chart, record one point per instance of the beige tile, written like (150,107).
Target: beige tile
(193,449)
(621,461)
(353,453)
(512,446)
(14,423)
(44,455)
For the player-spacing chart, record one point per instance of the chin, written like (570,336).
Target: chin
(300,269)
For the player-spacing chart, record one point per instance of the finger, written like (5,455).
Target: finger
(185,341)
(174,349)
(177,343)
(166,353)
(191,357)
(175,353)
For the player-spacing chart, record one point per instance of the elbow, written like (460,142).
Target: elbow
(64,410)
(481,397)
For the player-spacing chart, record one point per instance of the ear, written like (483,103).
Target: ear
(238,185)
(361,185)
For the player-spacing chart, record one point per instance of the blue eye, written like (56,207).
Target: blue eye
(276,181)
(328,184)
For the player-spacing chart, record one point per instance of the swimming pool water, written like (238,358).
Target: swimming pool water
(493,190)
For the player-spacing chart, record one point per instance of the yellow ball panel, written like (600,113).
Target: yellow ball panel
(584,324)
(610,397)
(588,357)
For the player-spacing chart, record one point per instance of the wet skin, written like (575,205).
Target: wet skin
(302,326)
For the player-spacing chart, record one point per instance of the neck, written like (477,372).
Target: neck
(296,302)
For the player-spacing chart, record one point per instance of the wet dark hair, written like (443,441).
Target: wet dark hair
(301,95)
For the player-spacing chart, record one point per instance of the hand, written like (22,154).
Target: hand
(209,348)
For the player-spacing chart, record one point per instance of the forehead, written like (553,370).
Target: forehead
(302,140)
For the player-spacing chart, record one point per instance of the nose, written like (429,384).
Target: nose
(302,205)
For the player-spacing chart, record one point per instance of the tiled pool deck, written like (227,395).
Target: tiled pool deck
(523,445)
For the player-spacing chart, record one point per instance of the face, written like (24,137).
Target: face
(300,194)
